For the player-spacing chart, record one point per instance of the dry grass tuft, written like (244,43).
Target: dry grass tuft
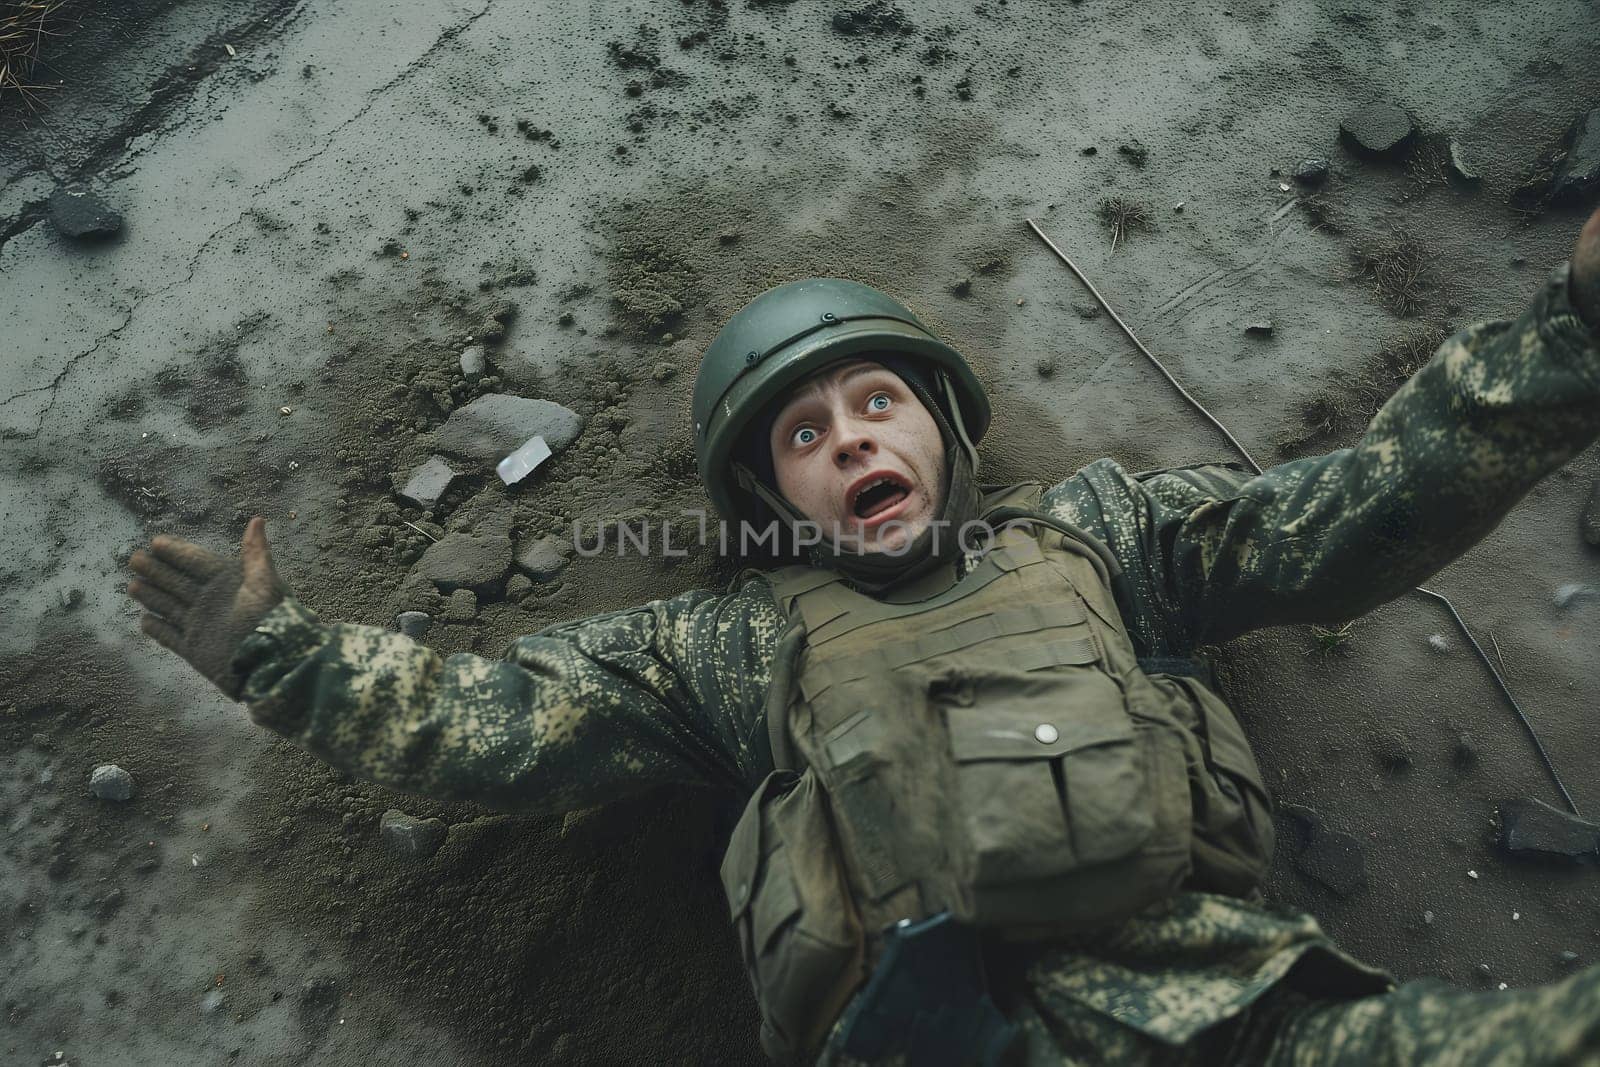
(1122,217)
(24,26)
(1400,271)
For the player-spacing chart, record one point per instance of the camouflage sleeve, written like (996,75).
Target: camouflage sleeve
(575,715)
(1214,551)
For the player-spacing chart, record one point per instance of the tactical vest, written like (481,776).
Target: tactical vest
(991,748)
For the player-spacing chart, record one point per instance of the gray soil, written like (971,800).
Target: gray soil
(319,221)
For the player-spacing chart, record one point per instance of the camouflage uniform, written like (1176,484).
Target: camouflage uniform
(675,691)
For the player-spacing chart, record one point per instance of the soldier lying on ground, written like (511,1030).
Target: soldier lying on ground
(992,812)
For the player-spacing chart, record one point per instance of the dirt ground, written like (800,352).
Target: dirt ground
(324,201)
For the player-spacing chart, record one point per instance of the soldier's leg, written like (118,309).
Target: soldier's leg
(1434,1023)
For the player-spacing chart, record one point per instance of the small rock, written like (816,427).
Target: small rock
(1571,593)
(1530,827)
(71,599)
(414,624)
(1378,128)
(1427,917)
(1331,857)
(1311,171)
(428,483)
(1580,176)
(1439,642)
(963,288)
(462,606)
(493,426)
(1259,329)
(110,782)
(466,561)
(1046,367)
(213,1001)
(1567,957)
(518,586)
(410,837)
(474,361)
(663,371)
(543,558)
(78,212)
(1459,164)
(1590,520)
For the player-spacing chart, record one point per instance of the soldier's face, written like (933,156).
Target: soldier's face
(856,451)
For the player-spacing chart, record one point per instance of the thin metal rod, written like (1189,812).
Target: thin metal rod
(1461,624)
(1201,408)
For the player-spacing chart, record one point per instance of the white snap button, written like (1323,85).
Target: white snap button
(1045,734)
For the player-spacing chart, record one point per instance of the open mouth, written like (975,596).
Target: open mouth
(878,495)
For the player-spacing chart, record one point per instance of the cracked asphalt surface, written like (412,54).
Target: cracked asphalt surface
(703,151)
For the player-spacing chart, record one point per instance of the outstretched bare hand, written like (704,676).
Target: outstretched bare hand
(200,604)
(1585,277)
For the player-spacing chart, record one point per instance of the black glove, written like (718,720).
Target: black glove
(202,605)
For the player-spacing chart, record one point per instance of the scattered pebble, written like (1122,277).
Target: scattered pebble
(1259,329)
(78,212)
(1427,917)
(1567,957)
(428,483)
(413,624)
(110,782)
(410,837)
(1379,128)
(1046,367)
(542,558)
(474,361)
(1459,164)
(1438,642)
(1312,171)
(1474,876)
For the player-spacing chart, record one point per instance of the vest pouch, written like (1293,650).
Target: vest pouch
(1071,812)
(1049,774)
(798,931)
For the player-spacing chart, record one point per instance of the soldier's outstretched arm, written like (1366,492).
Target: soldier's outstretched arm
(1212,552)
(580,713)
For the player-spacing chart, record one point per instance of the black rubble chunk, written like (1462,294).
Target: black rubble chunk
(1590,519)
(1332,858)
(1580,176)
(1311,171)
(1377,128)
(409,837)
(1532,828)
(78,212)
(1262,328)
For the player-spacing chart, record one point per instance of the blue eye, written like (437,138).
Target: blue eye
(804,435)
(879,402)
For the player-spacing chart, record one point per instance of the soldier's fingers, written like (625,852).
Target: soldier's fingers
(163,575)
(157,600)
(166,635)
(187,556)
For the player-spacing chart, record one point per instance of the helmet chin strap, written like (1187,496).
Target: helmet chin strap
(873,571)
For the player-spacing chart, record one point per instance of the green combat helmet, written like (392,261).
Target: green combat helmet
(789,333)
